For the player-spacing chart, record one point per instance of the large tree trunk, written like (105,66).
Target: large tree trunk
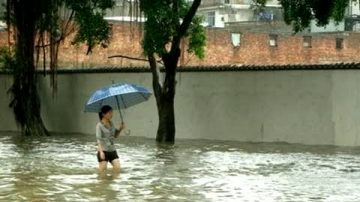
(25,98)
(165,95)
(165,91)
(166,129)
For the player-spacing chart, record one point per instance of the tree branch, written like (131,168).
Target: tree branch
(156,76)
(68,22)
(133,58)
(188,18)
(184,25)
(62,38)
(63,35)
(175,8)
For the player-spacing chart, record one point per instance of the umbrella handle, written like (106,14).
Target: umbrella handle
(117,102)
(118,105)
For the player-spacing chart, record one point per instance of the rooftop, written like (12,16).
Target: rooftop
(217,68)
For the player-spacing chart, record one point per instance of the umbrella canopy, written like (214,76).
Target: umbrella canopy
(118,96)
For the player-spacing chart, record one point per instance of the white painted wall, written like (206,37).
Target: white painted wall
(219,22)
(308,107)
(354,8)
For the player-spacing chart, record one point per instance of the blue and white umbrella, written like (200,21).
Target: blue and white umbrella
(118,96)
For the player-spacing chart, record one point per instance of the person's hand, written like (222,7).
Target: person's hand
(122,126)
(102,155)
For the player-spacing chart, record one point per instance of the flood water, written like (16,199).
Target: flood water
(63,168)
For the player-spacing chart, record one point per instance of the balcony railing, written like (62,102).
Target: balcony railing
(211,3)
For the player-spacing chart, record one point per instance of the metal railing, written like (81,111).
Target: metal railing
(210,3)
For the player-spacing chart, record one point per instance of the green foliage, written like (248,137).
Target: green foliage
(197,38)
(6,58)
(37,19)
(164,18)
(47,20)
(299,13)
(89,16)
(339,8)
(159,26)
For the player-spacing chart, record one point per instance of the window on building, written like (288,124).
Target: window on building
(307,41)
(273,40)
(236,39)
(211,19)
(339,43)
(267,16)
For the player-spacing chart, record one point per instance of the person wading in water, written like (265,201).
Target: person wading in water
(106,132)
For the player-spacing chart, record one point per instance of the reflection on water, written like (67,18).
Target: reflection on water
(63,168)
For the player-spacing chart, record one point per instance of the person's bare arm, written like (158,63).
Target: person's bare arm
(99,147)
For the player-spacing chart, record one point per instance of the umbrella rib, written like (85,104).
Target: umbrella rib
(143,95)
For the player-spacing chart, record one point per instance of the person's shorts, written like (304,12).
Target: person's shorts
(109,156)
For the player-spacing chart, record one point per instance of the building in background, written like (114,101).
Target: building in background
(2,14)
(352,20)
(238,13)
(350,23)
(128,9)
(219,13)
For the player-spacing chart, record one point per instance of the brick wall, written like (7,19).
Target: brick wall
(253,50)
(3,38)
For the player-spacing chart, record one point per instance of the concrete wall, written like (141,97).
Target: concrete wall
(309,107)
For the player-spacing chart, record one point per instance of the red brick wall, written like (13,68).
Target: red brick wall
(254,49)
(126,40)
(3,38)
